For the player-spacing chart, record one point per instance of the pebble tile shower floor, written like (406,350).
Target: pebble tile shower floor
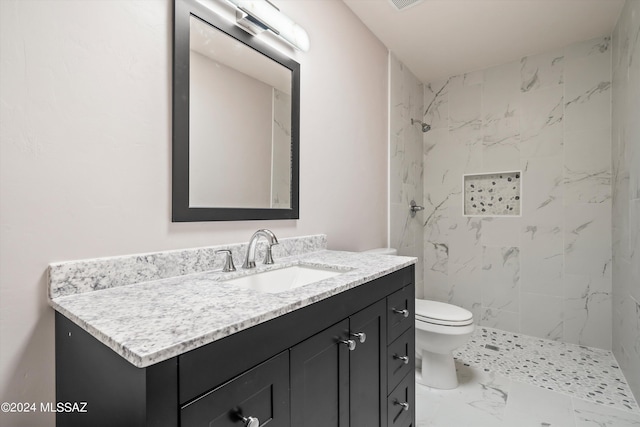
(583,372)
(513,380)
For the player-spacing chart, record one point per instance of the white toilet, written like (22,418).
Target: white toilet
(440,329)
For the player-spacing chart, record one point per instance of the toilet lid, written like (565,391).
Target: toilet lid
(442,313)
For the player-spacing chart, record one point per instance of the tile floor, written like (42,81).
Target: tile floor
(529,382)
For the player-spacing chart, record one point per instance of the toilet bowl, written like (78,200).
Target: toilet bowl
(440,329)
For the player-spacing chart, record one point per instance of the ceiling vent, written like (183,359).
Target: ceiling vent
(403,4)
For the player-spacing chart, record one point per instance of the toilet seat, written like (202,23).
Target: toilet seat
(440,313)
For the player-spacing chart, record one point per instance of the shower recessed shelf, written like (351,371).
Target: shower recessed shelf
(492,194)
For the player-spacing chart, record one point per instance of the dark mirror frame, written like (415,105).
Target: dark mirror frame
(181,212)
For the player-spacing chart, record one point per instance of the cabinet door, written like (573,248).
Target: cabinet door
(367,364)
(320,379)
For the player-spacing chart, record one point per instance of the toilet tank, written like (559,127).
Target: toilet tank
(383,251)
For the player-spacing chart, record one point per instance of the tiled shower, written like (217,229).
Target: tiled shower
(568,268)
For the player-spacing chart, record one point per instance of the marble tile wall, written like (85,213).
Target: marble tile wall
(626,193)
(405,158)
(548,272)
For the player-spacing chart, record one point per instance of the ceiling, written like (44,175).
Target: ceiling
(441,38)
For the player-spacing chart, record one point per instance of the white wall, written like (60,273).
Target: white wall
(547,273)
(85,98)
(626,193)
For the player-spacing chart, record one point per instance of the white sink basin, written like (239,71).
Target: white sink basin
(284,279)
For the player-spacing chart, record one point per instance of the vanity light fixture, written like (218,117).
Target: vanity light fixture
(256,16)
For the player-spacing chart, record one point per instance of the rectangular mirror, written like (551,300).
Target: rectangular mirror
(236,118)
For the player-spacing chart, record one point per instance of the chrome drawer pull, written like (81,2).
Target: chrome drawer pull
(405,313)
(351,344)
(405,405)
(250,421)
(362,337)
(405,359)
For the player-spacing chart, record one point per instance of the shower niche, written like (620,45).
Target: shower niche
(492,194)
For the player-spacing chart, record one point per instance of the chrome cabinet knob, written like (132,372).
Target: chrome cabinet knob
(362,337)
(250,421)
(405,405)
(405,359)
(351,344)
(405,313)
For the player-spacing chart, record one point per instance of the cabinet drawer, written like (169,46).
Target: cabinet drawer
(397,415)
(262,393)
(397,369)
(400,312)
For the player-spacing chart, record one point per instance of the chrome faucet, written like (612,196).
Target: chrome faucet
(250,259)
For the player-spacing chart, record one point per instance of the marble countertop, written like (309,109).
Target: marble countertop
(152,321)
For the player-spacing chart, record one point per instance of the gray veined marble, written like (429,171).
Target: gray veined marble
(406,158)
(159,318)
(435,108)
(541,123)
(586,322)
(625,156)
(501,109)
(464,237)
(549,116)
(588,85)
(542,70)
(501,278)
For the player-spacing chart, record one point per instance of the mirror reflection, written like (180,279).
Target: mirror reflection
(239,124)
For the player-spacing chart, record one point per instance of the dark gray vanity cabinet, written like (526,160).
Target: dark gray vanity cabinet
(368,367)
(307,368)
(400,358)
(261,393)
(320,379)
(346,360)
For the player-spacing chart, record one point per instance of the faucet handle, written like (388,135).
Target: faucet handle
(228,260)
(268,256)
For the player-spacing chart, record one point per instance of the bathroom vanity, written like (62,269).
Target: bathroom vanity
(337,352)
